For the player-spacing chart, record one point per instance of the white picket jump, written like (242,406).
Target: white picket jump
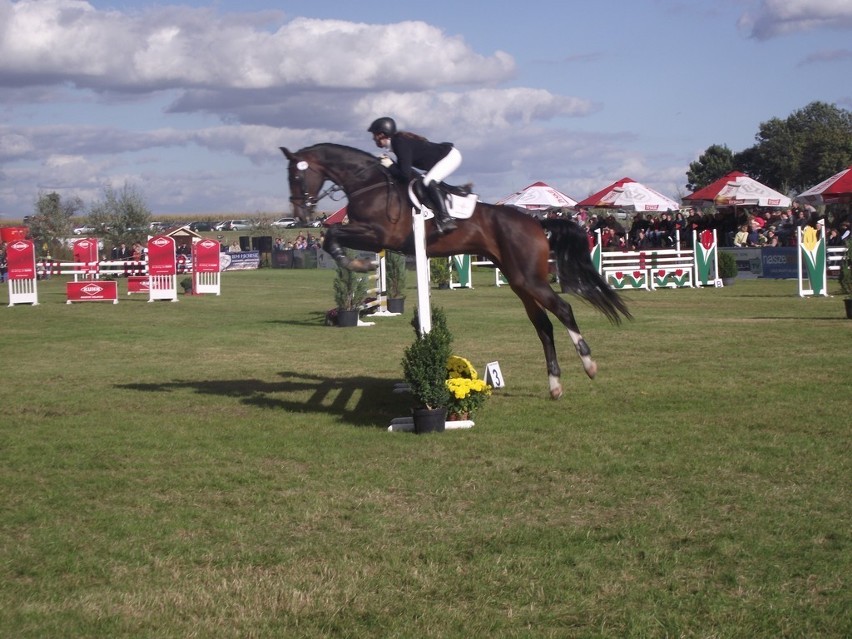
(23,292)
(209,283)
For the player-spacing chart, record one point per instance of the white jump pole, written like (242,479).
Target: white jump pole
(424,307)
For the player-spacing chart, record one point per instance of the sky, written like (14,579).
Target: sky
(188,102)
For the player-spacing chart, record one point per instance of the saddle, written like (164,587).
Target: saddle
(460,200)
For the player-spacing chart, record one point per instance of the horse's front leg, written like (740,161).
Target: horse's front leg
(335,241)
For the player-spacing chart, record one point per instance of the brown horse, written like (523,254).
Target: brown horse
(380,218)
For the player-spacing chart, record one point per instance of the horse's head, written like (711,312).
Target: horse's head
(306,178)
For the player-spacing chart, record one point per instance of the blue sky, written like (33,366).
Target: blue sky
(189,101)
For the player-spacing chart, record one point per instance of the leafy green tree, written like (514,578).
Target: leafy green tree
(50,223)
(716,161)
(123,215)
(802,150)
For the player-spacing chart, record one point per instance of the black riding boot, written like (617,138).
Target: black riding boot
(443,222)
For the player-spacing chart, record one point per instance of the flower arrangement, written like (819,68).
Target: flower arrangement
(467,392)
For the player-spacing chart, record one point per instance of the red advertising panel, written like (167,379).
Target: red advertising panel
(94,291)
(205,256)
(86,250)
(20,259)
(12,233)
(138,284)
(161,256)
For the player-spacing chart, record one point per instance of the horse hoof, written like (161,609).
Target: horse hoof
(362,266)
(555,393)
(592,370)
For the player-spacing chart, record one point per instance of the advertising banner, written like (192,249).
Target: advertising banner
(240,261)
(779,262)
(205,256)
(86,253)
(86,250)
(92,291)
(20,260)
(138,284)
(161,256)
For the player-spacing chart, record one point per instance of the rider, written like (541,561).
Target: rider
(413,151)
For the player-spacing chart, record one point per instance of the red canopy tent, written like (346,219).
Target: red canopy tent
(835,190)
(738,189)
(335,218)
(629,194)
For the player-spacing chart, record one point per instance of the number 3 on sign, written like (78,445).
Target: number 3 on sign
(493,376)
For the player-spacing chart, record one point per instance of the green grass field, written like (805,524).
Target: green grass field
(221,467)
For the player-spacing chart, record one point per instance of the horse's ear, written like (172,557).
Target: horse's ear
(286,152)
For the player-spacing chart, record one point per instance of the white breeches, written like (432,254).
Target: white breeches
(444,167)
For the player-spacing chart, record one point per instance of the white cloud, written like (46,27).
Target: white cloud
(780,17)
(44,41)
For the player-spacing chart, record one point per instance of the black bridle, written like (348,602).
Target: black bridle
(306,201)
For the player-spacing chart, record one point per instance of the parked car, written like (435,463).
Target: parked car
(83,230)
(285,223)
(202,226)
(233,225)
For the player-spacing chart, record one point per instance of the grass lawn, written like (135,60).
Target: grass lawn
(221,467)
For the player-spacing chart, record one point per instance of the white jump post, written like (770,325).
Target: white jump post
(812,262)
(21,273)
(381,289)
(206,268)
(424,307)
(162,269)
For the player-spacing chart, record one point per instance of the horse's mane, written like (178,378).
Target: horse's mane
(340,152)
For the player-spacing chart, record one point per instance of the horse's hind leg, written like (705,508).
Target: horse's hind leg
(544,328)
(542,296)
(565,314)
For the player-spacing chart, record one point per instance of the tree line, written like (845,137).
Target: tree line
(121,215)
(789,155)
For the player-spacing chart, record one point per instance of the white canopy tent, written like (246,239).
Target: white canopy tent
(538,196)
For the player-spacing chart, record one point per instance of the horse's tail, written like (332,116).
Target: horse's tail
(577,274)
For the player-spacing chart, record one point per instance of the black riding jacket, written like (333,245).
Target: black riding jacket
(415,153)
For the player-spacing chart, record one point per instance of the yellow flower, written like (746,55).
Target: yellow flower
(460,367)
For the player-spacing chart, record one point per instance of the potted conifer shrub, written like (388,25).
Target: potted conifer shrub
(424,367)
(350,292)
(727,267)
(439,271)
(845,279)
(395,279)
(186,285)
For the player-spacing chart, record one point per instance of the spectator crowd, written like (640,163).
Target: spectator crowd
(740,227)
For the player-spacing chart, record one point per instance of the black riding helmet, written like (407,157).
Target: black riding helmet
(383,125)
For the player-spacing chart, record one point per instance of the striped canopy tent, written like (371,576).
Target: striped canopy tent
(835,190)
(738,189)
(630,195)
(538,196)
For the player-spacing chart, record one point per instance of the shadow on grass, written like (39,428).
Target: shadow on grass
(314,319)
(360,401)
